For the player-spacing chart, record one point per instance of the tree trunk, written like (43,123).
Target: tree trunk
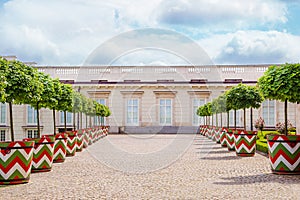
(54,121)
(244,118)
(38,120)
(80,120)
(78,127)
(65,120)
(285,117)
(235,119)
(90,123)
(251,118)
(74,121)
(227,119)
(12,136)
(221,120)
(212,120)
(86,121)
(217,122)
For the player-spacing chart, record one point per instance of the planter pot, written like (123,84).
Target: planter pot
(217,135)
(284,154)
(90,137)
(245,143)
(223,140)
(230,141)
(15,162)
(213,133)
(42,153)
(71,143)
(80,139)
(85,139)
(60,147)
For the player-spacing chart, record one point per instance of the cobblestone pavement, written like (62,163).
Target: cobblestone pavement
(204,170)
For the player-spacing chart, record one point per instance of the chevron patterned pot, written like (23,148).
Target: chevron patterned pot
(85,139)
(71,143)
(223,139)
(90,137)
(284,154)
(80,139)
(230,140)
(213,133)
(15,162)
(60,147)
(217,135)
(245,143)
(42,153)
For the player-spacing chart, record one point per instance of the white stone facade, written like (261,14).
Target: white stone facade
(147,98)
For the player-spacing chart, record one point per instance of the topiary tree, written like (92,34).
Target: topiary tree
(22,86)
(222,106)
(281,83)
(243,97)
(54,96)
(65,101)
(215,109)
(77,106)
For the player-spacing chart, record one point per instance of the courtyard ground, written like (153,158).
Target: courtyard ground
(157,167)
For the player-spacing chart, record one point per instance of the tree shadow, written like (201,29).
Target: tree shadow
(209,147)
(260,178)
(221,158)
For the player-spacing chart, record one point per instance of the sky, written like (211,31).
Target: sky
(67,32)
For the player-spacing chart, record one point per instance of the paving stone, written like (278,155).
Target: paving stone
(203,170)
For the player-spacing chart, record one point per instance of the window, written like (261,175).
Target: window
(31,115)
(32,133)
(102,119)
(132,117)
(165,111)
(69,118)
(238,118)
(268,112)
(2,113)
(2,135)
(197,120)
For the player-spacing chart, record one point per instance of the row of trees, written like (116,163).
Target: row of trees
(23,84)
(278,83)
(238,97)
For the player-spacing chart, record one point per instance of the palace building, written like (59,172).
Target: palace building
(148,99)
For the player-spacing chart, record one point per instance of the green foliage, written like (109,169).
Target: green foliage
(261,146)
(281,83)
(90,107)
(205,110)
(77,102)
(53,92)
(65,100)
(3,82)
(22,83)
(243,96)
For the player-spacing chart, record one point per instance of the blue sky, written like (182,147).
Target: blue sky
(65,32)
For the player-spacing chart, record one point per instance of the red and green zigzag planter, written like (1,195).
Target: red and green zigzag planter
(15,162)
(223,139)
(60,147)
(85,139)
(80,138)
(71,143)
(42,153)
(217,134)
(230,141)
(284,154)
(245,143)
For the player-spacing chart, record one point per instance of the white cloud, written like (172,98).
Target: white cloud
(222,13)
(253,47)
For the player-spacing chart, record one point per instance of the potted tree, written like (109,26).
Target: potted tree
(44,145)
(245,97)
(230,102)
(19,82)
(61,140)
(282,83)
(77,108)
